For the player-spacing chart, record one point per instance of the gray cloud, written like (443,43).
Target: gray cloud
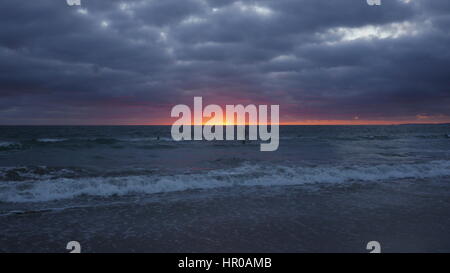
(130,61)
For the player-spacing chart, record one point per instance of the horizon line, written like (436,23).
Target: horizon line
(281,124)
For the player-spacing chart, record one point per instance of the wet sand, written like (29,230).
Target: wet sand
(404,216)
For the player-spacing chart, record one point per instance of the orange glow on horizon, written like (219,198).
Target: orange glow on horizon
(363,122)
(316,122)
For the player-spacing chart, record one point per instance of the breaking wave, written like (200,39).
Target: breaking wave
(245,175)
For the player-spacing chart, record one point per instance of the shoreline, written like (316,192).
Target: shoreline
(404,216)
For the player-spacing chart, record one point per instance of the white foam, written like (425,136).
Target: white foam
(245,175)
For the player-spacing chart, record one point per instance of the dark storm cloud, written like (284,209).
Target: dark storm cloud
(130,61)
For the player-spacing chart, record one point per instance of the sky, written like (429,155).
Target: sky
(130,62)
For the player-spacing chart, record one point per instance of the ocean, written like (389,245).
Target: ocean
(134,189)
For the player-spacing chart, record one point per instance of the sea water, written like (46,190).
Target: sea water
(133,188)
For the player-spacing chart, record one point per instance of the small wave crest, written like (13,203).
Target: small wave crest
(51,140)
(9,145)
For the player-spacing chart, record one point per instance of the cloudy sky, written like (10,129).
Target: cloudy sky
(129,62)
